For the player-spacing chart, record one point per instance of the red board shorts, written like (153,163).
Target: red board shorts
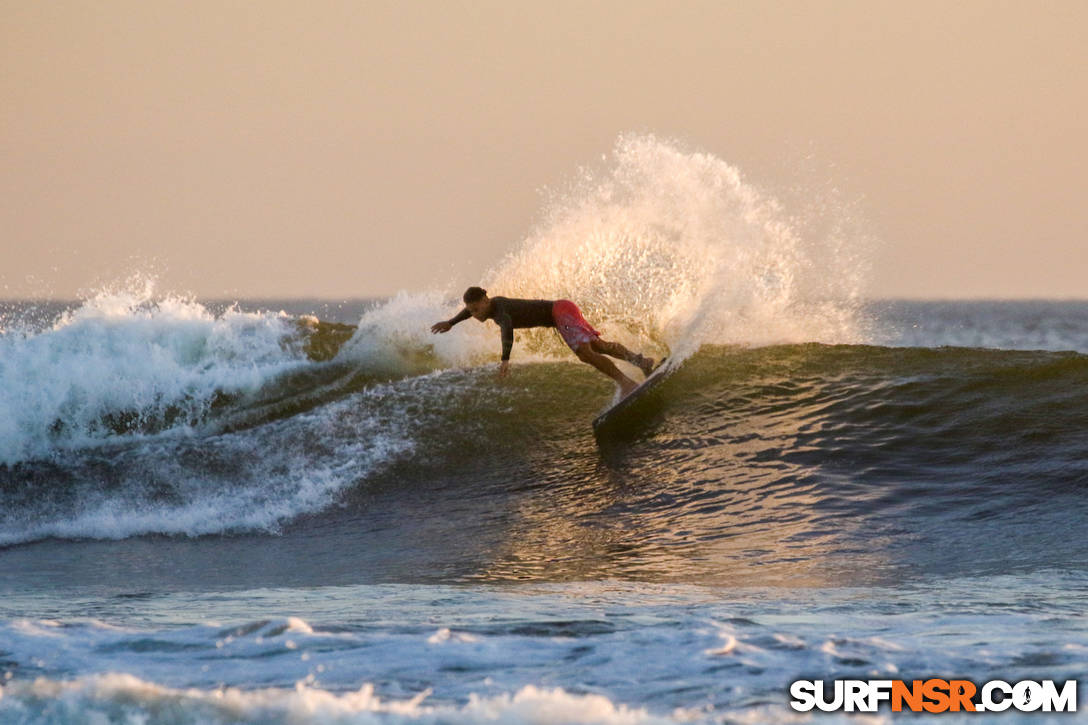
(572,327)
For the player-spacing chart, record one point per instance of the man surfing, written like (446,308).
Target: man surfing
(510,313)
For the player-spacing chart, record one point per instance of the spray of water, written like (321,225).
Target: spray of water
(665,250)
(671,248)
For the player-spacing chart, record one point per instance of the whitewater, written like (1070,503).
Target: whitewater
(299,511)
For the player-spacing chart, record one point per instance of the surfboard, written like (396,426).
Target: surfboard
(617,411)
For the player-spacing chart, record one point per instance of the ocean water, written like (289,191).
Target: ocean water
(309,511)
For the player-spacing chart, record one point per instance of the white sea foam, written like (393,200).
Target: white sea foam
(395,336)
(603,651)
(124,698)
(158,361)
(250,480)
(112,402)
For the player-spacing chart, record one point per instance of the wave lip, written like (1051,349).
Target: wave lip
(128,365)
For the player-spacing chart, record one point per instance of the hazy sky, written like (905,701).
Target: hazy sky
(346,149)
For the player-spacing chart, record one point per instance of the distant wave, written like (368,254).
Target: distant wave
(123,697)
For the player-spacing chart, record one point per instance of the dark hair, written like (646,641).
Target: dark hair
(472,294)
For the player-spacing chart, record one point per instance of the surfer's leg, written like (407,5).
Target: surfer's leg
(618,351)
(586,354)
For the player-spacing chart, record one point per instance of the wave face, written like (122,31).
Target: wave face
(791,462)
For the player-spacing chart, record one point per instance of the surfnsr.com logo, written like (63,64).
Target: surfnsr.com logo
(934,695)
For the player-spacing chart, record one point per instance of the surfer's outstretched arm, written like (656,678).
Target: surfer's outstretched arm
(445,325)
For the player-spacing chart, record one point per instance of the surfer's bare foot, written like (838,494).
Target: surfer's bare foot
(645,364)
(627,387)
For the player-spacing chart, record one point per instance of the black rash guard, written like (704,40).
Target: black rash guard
(509,313)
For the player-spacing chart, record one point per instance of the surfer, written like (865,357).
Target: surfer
(564,315)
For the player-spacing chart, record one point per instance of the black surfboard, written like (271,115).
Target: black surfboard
(617,411)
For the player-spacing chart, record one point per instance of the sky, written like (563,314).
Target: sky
(354,149)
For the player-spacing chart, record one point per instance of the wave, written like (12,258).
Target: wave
(124,697)
(637,652)
(875,429)
(128,363)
